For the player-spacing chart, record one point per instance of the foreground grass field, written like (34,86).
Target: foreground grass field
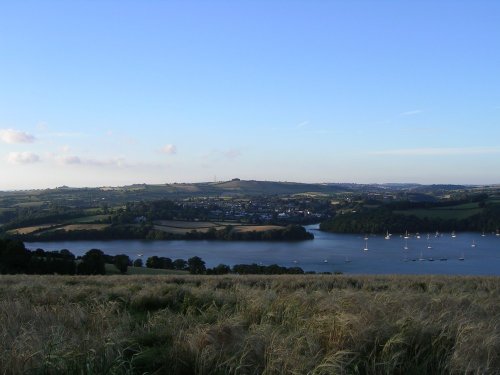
(314,324)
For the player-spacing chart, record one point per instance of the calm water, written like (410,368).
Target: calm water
(326,253)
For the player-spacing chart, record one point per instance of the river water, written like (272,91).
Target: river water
(328,252)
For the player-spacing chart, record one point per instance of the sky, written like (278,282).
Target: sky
(109,93)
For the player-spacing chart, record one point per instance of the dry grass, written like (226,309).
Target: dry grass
(28,230)
(185,224)
(73,227)
(312,324)
(257,228)
(182,231)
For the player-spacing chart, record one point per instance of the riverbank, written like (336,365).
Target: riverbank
(255,324)
(326,253)
(103,232)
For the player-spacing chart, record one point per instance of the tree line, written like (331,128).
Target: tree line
(383,219)
(15,258)
(292,232)
(196,265)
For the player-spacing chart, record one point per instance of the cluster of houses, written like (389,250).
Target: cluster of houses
(259,209)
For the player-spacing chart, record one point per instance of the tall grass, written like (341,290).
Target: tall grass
(312,324)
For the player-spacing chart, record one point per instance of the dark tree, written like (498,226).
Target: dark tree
(122,262)
(159,262)
(92,263)
(196,266)
(14,257)
(221,269)
(180,264)
(138,262)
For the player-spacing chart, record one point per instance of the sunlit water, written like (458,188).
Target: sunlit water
(326,253)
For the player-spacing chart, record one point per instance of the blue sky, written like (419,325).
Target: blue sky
(97,93)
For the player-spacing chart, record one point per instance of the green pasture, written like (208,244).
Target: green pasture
(112,270)
(461,211)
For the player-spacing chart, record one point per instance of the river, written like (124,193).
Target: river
(328,252)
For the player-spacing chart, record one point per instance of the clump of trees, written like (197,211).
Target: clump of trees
(196,266)
(292,232)
(385,218)
(15,258)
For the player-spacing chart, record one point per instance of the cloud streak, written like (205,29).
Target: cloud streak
(411,113)
(302,124)
(232,154)
(169,149)
(73,160)
(15,136)
(22,158)
(439,151)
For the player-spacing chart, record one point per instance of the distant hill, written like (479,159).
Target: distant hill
(252,187)
(81,197)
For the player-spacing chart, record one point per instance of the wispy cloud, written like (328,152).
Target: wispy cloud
(439,151)
(22,158)
(42,125)
(66,134)
(232,154)
(78,160)
(218,155)
(69,160)
(169,149)
(302,124)
(15,136)
(411,113)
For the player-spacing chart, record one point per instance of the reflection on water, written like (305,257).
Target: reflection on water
(326,253)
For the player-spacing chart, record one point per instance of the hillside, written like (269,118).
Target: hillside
(249,325)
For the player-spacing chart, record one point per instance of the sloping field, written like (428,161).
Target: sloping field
(185,224)
(28,230)
(183,231)
(90,219)
(73,227)
(312,324)
(256,228)
(461,211)
(183,227)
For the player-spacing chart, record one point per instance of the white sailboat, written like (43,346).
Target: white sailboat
(366,245)
(406,235)
(473,244)
(453,235)
(387,236)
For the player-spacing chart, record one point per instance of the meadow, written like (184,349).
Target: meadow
(311,324)
(459,211)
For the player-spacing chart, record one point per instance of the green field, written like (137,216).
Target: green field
(184,227)
(112,270)
(461,211)
(90,219)
(314,324)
